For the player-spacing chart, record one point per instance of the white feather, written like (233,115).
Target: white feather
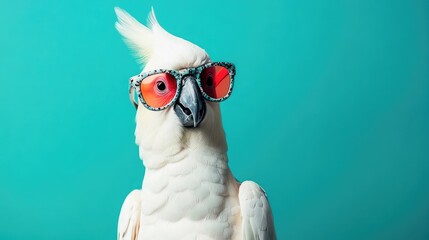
(155,47)
(256,213)
(129,218)
(138,37)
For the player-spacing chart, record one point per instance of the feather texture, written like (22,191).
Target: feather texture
(155,47)
(129,219)
(137,36)
(256,213)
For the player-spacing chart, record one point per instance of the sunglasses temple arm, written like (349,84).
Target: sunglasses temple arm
(131,91)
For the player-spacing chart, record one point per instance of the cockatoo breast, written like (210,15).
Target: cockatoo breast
(192,198)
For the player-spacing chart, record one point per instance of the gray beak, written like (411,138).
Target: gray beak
(190,108)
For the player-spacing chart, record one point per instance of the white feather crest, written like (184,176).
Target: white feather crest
(155,47)
(137,36)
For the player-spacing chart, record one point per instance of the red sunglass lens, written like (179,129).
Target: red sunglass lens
(158,90)
(216,81)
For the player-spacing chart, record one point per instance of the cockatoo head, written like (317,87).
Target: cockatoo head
(192,121)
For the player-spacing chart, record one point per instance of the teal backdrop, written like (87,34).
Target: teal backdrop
(330,113)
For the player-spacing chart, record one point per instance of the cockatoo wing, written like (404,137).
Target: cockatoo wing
(256,215)
(129,218)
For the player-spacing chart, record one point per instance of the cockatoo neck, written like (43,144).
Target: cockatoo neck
(187,181)
(169,142)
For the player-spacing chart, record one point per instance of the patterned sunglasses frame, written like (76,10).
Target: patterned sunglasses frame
(135,81)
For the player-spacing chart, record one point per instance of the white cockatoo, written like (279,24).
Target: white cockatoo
(188,191)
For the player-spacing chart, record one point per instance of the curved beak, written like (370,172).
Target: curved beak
(190,108)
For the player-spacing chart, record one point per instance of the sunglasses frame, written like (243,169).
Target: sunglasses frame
(135,82)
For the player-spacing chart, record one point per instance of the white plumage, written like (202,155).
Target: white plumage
(188,191)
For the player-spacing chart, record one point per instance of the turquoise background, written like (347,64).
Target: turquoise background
(330,112)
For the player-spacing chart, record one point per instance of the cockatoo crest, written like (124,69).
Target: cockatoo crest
(155,47)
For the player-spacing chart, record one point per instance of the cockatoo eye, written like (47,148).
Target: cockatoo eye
(160,85)
(158,90)
(216,81)
(209,81)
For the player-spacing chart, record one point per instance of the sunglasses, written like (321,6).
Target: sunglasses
(159,89)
